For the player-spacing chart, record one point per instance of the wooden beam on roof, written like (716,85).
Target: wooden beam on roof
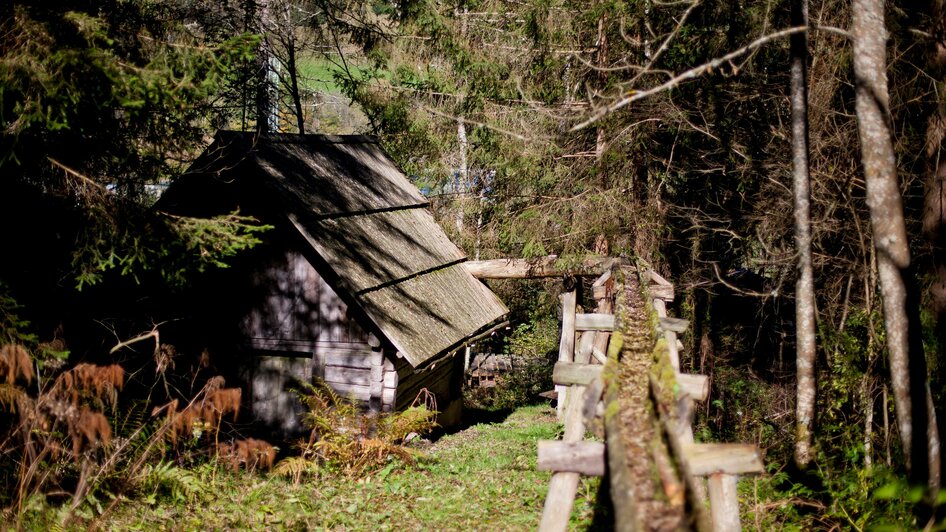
(550,266)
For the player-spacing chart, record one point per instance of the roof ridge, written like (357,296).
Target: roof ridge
(297,138)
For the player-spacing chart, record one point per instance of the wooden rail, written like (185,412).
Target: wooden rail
(685,470)
(550,266)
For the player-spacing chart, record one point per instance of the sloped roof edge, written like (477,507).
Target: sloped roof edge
(344,196)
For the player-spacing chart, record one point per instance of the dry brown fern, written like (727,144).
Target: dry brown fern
(296,468)
(222,402)
(90,428)
(13,399)
(15,363)
(251,453)
(88,381)
(204,413)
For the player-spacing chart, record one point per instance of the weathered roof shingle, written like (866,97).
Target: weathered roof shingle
(369,224)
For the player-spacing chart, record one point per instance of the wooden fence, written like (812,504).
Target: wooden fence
(697,480)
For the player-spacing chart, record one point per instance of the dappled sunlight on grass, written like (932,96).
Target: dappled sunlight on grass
(480,478)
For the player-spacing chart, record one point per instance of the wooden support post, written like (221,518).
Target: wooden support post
(376,380)
(592,399)
(672,348)
(585,345)
(722,463)
(584,457)
(605,306)
(602,287)
(563,486)
(569,373)
(695,386)
(566,348)
(724,503)
(658,279)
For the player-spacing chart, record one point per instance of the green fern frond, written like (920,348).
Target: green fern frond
(135,416)
(296,468)
(393,428)
(165,479)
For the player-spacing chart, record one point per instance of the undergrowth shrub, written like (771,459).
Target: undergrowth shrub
(344,439)
(69,451)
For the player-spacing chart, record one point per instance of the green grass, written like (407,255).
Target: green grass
(317,73)
(481,478)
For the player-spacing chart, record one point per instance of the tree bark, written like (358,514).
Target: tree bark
(897,285)
(934,208)
(264,90)
(294,88)
(805,346)
(463,173)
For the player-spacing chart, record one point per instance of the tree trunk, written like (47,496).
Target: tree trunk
(897,286)
(264,91)
(805,347)
(294,89)
(463,177)
(602,62)
(934,205)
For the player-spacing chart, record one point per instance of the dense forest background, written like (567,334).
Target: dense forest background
(648,129)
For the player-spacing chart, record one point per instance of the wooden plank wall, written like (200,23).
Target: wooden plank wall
(290,301)
(297,312)
(444,380)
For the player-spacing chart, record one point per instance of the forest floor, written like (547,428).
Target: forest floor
(480,478)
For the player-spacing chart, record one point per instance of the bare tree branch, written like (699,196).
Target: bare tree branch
(632,95)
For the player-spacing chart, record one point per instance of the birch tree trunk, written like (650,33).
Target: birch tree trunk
(463,173)
(805,347)
(264,91)
(904,345)
(601,60)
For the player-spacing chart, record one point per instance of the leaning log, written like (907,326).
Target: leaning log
(550,266)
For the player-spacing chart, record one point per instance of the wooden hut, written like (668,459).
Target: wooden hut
(357,285)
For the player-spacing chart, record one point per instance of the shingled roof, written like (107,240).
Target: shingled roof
(368,223)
